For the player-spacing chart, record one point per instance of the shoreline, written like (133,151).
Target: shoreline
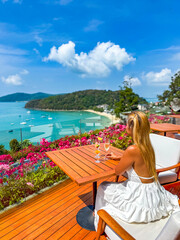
(111,117)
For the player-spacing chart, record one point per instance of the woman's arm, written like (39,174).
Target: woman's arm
(127,160)
(113,156)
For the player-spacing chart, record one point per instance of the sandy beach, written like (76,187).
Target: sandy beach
(113,118)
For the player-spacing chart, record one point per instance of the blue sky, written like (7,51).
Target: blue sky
(61,46)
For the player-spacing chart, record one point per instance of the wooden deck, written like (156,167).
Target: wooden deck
(52,214)
(49,215)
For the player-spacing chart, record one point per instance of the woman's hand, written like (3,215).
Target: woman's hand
(113,156)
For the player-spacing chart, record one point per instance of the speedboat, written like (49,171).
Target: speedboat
(23,123)
(50,118)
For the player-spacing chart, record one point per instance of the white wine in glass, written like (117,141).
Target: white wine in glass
(106,145)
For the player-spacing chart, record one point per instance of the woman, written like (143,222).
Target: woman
(140,198)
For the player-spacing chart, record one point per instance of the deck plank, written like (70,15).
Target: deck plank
(50,215)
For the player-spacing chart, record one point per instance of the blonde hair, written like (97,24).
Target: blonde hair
(139,124)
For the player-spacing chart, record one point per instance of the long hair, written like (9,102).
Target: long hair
(139,124)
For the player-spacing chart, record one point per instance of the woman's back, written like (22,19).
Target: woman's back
(139,165)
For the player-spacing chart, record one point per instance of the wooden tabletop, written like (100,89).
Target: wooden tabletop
(165,127)
(79,163)
(174,116)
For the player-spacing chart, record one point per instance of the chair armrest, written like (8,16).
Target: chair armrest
(167,168)
(105,218)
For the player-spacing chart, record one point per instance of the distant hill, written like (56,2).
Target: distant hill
(17,97)
(81,100)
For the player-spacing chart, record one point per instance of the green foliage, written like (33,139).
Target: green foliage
(80,100)
(14,145)
(25,143)
(173,92)
(3,150)
(128,100)
(98,109)
(15,191)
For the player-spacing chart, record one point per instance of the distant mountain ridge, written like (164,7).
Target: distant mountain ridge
(17,97)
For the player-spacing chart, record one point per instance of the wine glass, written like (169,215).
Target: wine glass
(97,151)
(106,146)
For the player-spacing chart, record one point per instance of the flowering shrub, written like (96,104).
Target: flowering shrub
(153,118)
(32,170)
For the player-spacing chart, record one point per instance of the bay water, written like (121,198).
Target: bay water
(20,123)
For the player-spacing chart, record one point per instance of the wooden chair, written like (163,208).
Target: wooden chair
(163,229)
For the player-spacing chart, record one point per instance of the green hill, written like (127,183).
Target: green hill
(81,100)
(17,97)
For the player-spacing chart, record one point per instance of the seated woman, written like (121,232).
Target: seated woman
(140,198)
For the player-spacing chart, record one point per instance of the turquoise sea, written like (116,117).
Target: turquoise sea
(18,122)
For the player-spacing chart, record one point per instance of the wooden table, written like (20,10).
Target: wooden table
(79,164)
(174,117)
(165,127)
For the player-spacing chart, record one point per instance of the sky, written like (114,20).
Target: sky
(62,46)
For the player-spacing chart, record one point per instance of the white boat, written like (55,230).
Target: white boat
(27,120)
(32,118)
(23,123)
(12,123)
(43,116)
(31,125)
(50,118)
(28,112)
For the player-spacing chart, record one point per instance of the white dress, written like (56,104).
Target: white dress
(134,201)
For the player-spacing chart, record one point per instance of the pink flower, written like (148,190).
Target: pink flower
(30,184)
(4,167)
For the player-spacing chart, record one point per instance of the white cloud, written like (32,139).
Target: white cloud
(12,79)
(98,62)
(159,78)
(24,72)
(15,79)
(171,48)
(38,40)
(6,50)
(176,57)
(133,81)
(93,25)
(36,51)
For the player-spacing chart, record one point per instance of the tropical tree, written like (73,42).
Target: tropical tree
(173,92)
(128,100)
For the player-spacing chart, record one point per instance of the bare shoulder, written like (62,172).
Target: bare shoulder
(133,150)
